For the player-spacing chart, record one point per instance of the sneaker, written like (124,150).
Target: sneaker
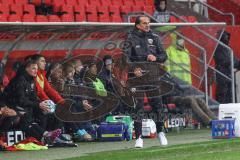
(65,137)
(53,134)
(162,139)
(139,143)
(83,135)
(61,140)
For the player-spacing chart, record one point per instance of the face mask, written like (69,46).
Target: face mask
(180,43)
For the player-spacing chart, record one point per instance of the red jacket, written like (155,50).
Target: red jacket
(47,92)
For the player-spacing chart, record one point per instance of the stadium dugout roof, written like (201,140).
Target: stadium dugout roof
(83,26)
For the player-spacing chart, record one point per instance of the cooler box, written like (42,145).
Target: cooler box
(149,129)
(231,111)
(12,137)
(124,119)
(223,129)
(112,131)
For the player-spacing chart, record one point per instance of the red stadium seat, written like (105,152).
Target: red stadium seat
(71,2)
(58,2)
(173,19)
(47,2)
(106,2)
(67,9)
(16,9)
(21,2)
(57,5)
(29,9)
(191,19)
(41,18)
(83,2)
(79,12)
(125,10)
(103,14)
(129,2)
(95,3)
(14,18)
(114,12)
(4,9)
(28,18)
(53,18)
(137,8)
(7,2)
(148,9)
(140,3)
(37,2)
(3,18)
(67,18)
(116,18)
(149,2)
(117,2)
(91,13)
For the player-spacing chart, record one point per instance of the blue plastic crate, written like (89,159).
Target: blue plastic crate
(223,129)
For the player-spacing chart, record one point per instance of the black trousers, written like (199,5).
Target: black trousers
(31,129)
(9,123)
(23,123)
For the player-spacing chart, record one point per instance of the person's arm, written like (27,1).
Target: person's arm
(132,53)
(52,93)
(7,112)
(103,78)
(23,99)
(161,53)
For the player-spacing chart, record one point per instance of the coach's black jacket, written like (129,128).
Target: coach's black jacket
(142,44)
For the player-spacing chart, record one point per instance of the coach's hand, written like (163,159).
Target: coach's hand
(151,58)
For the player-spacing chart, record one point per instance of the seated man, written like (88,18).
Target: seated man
(44,89)
(64,75)
(79,71)
(107,77)
(46,92)
(21,95)
(91,79)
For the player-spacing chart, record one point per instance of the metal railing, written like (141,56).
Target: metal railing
(134,14)
(125,26)
(204,62)
(214,9)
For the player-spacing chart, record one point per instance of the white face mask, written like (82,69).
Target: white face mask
(180,43)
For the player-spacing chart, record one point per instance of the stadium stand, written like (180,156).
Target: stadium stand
(109,11)
(76,10)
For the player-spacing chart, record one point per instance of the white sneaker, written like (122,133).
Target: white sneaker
(139,143)
(162,139)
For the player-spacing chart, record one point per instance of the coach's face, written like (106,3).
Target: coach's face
(144,24)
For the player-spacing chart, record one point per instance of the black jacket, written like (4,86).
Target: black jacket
(21,93)
(78,77)
(222,56)
(142,44)
(106,77)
